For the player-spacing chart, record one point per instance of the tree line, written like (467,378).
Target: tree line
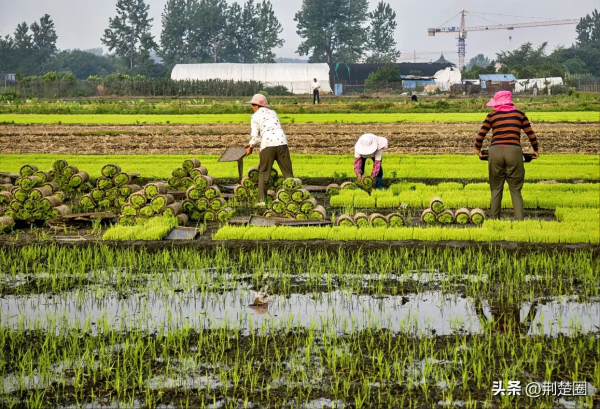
(207,31)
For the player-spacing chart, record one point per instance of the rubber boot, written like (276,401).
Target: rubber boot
(379,183)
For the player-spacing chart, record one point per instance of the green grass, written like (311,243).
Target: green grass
(305,165)
(584,116)
(573,226)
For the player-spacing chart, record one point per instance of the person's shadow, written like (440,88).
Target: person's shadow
(506,318)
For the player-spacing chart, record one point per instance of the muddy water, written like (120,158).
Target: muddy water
(423,313)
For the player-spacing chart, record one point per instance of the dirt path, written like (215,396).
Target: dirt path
(303,138)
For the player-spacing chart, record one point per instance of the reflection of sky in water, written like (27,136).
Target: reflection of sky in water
(341,311)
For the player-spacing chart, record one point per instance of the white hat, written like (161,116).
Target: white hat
(369,144)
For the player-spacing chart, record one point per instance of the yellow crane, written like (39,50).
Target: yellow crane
(462,30)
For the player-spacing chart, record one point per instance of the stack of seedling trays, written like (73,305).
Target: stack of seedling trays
(151,201)
(204,202)
(366,185)
(293,202)
(374,220)
(437,213)
(183,178)
(34,199)
(112,190)
(248,187)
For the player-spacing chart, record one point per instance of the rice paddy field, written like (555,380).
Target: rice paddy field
(406,297)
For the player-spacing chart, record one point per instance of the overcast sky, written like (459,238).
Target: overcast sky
(81,23)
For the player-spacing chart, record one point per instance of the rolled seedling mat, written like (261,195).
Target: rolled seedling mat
(190,164)
(128,190)
(127,221)
(217,204)
(62,210)
(428,216)
(201,170)
(129,210)
(272,194)
(278,206)
(5,197)
(395,220)
(79,179)
(367,182)
(104,183)
(110,170)
(20,194)
(59,165)
(345,220)
(477,216)
(31,182)
(112,193)
(361,220)
(52,185)
(174,183)
(179,173)
(183,219)
(301,217)
(194,193)
(253,174)
(241,191)
(210,216)
(6,187)
(437,205)
(173,209)
(121,179)
(292,183)
(378,220)
(186,182)
(147,211)
(45,176)
(27,170)
(15,205)
(284,196)
(446,217)
(152,190)
(463,216)
(211,192)
(97,194)
(189,206)
(224,214)
(69,171)
(308,206)
(105,203)
(247,182)
(6,223)
(61,195)
(87,202)
(161,201)
(202,204)
(49,202)
(319,213)
(204,181)
(293,207)
(299,195)
(138,199)
(348,186)
(270,213)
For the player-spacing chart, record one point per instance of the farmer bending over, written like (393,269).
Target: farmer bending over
(506,155)
(267,131)
(370,146)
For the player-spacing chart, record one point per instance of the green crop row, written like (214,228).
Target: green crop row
(455,195)
(125,119)
(559,167)
(573,226)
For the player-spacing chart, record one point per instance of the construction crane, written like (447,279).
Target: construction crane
(463,30)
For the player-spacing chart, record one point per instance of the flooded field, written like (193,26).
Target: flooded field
(107,327)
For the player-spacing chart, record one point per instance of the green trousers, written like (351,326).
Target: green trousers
(268,156)
(506,164)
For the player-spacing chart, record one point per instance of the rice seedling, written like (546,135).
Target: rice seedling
(155,228)
(428,216)
(446,217)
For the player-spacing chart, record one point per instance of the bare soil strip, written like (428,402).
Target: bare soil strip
(422,138)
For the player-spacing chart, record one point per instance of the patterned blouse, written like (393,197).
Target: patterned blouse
(266,129)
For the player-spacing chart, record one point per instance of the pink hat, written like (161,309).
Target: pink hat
(501,98)
(260,100)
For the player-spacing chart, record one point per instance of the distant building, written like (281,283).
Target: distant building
(497,82)
(10,77)
(442,60)
(414,81)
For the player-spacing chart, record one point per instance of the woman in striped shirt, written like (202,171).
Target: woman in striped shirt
(505,152)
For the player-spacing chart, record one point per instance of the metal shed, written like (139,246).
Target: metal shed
(501,82)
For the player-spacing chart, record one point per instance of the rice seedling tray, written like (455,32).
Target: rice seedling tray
(276,221)
(182,233)
(79,219)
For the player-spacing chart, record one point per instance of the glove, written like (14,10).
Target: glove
(248,150)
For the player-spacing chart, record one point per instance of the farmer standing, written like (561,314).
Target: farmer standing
(316,89)
(267,132)
(505,153)
(370,146)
